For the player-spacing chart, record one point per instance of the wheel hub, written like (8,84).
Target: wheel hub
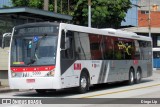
(138,76)
(132,77)
(83,82)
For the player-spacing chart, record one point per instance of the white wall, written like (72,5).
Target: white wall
(4,58)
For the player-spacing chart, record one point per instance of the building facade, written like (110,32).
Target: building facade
(143,20)
(143,13)
(148,17)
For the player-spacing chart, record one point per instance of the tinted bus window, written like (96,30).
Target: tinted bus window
(96,46)
(82,46)
(67,44)
(145,50)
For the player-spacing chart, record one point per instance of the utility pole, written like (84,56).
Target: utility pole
(61,6)
(89,13)
(68,7)
(45,5)
(55,6)
(149,19)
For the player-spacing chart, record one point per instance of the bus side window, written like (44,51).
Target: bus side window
(63,39)
(67,45)
(145,49)
(137,50)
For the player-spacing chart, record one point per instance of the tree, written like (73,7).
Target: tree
(39,4)
(36,3)
(105,13)
(19,3)
(28,3)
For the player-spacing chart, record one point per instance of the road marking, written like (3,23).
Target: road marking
(121,91)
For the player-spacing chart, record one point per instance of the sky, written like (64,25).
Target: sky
(4,2)
(131,16)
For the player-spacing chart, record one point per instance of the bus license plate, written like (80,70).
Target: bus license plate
(30,80)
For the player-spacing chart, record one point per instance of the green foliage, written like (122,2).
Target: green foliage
(19,3)
(105,13)
(35,3)
(28,3)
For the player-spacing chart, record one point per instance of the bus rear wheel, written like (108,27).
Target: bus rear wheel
(138,76)
(131,77)
(84,83)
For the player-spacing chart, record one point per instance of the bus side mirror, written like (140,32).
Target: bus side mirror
(5,35)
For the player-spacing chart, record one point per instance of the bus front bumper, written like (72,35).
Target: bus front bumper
(35,83)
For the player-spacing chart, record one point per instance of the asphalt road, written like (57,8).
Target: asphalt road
(148,88)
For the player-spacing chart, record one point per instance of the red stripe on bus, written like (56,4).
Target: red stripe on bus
(32,69)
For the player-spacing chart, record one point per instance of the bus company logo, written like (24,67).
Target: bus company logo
(77,66)
(6,101)
(95,65)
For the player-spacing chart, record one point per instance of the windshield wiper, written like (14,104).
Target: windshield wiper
(32,61)
(35,57)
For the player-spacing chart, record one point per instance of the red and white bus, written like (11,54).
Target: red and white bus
(45,56)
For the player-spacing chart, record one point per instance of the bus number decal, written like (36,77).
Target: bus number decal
(25,74)
(36,73)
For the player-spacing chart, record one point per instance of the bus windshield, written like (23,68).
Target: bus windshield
(34,46)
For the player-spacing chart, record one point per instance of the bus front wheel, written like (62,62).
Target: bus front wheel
(84,83)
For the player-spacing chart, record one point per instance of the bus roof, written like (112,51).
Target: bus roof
(107,31)
(37,24)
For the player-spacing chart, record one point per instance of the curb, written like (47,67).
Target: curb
(6,90)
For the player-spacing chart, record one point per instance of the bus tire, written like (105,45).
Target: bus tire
(41,91)
(138,76)
(83,83)
(131,77)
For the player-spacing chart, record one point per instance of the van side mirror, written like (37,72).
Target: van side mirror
(5,35)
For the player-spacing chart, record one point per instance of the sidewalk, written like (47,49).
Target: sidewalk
(5,89)
(157,71)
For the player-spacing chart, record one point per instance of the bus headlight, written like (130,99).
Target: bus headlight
(51,73)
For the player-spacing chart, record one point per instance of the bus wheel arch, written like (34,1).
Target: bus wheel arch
(84,81)
(138,75)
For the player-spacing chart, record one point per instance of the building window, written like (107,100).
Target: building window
(158,40)
(144,12)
